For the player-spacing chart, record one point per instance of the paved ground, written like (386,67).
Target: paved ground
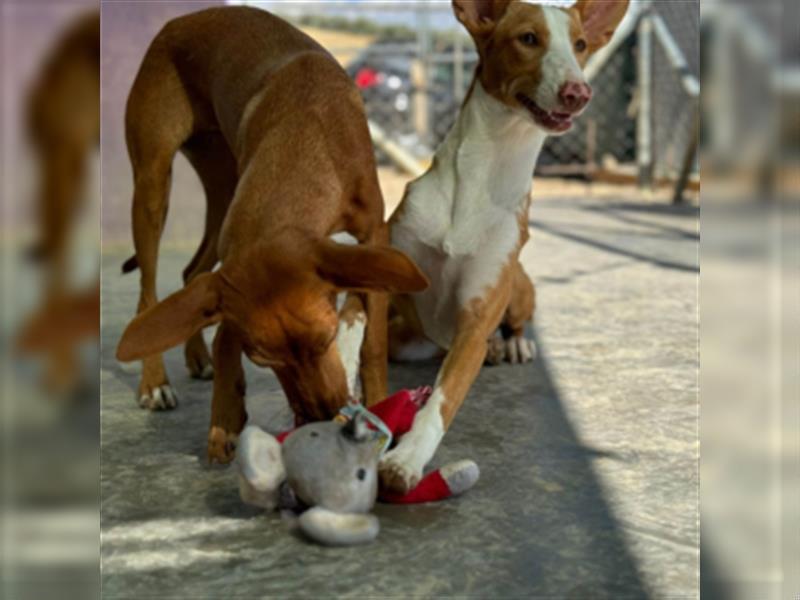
(588,456)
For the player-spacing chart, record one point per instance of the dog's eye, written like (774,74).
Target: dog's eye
(529,39)
(361,474)
(580,45)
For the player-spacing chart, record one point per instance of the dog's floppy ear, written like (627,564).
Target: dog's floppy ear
(479,16)
(368,268)
(600,18)
(173,320)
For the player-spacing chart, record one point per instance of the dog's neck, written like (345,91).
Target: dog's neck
(486,163)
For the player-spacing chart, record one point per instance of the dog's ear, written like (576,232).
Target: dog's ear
(600,18)
(172,320)
(62,323)
(368,268)
(479,16)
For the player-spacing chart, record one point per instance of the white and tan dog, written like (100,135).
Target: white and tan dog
(464,221)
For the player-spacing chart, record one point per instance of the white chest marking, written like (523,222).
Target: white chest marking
(348,340)
(459,220)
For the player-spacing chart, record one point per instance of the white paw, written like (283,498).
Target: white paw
(399,471)
(159,398)
(207,373)
(514,350)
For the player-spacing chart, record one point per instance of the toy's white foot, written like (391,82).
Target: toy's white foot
(515,350)
(460,476)
(159,398)
(260,467)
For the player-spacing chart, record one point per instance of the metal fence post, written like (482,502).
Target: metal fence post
(689,157)
(644,121)
(421,77)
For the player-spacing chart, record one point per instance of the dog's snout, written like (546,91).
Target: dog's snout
(574,95)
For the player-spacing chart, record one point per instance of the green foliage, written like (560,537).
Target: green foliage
(384,33)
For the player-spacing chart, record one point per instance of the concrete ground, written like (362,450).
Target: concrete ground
(588,456)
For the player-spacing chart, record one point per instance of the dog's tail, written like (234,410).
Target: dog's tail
(130,265)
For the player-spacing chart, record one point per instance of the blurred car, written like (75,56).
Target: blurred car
(383,73)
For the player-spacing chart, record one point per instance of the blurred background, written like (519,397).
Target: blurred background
(414,65)
(49,325)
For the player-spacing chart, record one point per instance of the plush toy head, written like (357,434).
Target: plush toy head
(332,469)
(329,466)
(333,465)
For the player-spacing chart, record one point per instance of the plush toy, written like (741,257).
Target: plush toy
(332,468)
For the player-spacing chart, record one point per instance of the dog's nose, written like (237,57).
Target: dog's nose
(574,95)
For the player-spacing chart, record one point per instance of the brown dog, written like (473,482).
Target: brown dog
(466,219)
(63,122)
(276,131)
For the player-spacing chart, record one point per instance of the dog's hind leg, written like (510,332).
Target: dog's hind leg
(511,344)
(158,121)
(407,342)
(215,165)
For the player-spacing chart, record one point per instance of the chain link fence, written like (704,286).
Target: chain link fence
(675,71)
(415,72)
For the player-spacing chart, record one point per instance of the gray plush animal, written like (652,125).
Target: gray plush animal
(330,467)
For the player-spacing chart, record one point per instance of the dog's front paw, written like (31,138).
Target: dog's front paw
(221,445)
(397,474)
(198,360)
(159,397)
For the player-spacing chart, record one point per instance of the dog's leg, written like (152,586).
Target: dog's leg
(228,414)
(401,468)
(374,350)
(195,352)
(512,345)
(63,174)
(158,121)
(216,168)
(149,210)
(407,342)
(350,338)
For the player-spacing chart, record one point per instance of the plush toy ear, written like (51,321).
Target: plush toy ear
(172,320)
(368,268)
(479,16)
(261,471)
(338,529)
(600,18)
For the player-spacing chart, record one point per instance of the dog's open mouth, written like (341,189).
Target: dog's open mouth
(551,120)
